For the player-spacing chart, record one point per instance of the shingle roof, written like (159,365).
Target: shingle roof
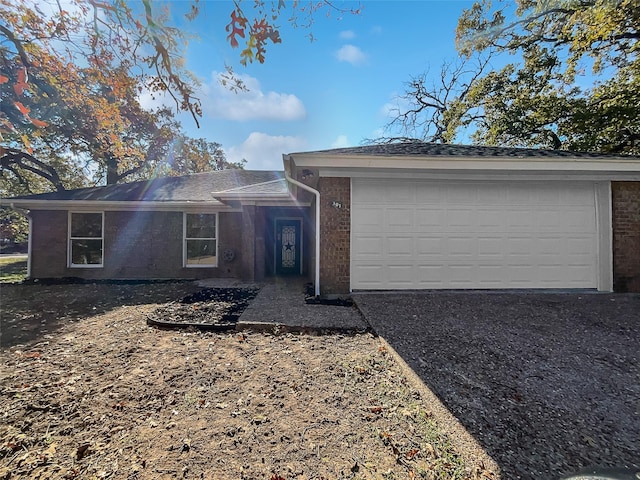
(426,149)
(189,188)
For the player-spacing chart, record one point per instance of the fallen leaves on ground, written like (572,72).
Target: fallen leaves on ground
(110,397)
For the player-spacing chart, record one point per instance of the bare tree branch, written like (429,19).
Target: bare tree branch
(11,157)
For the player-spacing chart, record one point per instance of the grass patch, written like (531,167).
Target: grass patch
(13,269)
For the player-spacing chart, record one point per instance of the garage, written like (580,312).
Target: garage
(489,234)
(418,216)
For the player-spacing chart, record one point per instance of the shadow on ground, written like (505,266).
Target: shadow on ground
(547,383)
(30,311)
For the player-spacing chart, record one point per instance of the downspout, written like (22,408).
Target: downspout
(29,249)
(317,194)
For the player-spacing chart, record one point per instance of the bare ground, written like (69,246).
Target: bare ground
(89,390)
(548,383)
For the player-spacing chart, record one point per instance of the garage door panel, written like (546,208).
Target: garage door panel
(368,246)
(429,217)
(581,220)
(430,196)
(551,245)
(546,195)
(491,196)
(489,219)
(473,235)
(518,196)
(575,194)
(460,218)
(490,247)
(400,276)
(579,246)
(461,274)
(373,194)
(518,220)
(400,247)
(398,195)
(399,219)
(460,247)
(430,275)
(580,273)
(461,194)
(491,274)
(369,220)
(429,246)
(372,276)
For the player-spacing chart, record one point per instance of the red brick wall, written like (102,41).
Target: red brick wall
(626,236)
(335,233)
(137,245)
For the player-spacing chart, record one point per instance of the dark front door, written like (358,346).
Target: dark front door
(288,246)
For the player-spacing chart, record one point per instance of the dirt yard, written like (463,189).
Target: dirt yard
(89,390)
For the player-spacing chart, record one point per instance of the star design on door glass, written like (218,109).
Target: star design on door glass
(288,246)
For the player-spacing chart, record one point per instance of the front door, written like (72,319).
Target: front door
(288,246)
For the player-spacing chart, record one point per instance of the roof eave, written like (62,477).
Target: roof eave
(434,163)
(32,204)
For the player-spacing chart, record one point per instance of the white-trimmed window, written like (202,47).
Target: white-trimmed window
(200,240)
(86,239)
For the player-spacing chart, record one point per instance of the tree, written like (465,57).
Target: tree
(540,99)
(540,102)
(14,227)
(199,155)
(95,130)
(70,77)
(435,111)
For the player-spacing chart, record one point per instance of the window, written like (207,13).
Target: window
(200,242)
(86,239)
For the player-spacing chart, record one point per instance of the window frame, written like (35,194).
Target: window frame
(70,240)
(185,239)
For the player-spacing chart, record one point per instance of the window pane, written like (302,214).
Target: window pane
(86,252)
(86,225)
(201,225)
(201,252)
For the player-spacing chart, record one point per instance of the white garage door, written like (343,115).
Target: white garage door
(408,234)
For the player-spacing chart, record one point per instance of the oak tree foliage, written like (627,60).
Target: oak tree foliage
(572,80)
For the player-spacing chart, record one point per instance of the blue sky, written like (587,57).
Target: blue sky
(332,92)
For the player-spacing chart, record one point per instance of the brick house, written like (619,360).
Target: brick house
(398,216)
(218,224)
(429,216)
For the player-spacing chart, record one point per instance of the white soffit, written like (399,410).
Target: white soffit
(355,165)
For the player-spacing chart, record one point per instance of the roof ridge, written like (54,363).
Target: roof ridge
(251,185)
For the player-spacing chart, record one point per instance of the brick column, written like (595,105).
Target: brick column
(335,234)
(626,236)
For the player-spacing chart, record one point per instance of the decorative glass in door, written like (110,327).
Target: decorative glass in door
(288,246)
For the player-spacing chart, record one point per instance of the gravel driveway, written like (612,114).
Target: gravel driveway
(547,383)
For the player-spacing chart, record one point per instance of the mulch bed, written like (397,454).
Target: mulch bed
(208,309)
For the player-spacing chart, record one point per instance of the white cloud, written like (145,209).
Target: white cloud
(341,141)
(253,104)
(347,34)
(390,109)
(351,54)
(219,101)
(150,101)
(264,152)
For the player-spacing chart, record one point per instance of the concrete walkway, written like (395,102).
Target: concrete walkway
(280,305)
